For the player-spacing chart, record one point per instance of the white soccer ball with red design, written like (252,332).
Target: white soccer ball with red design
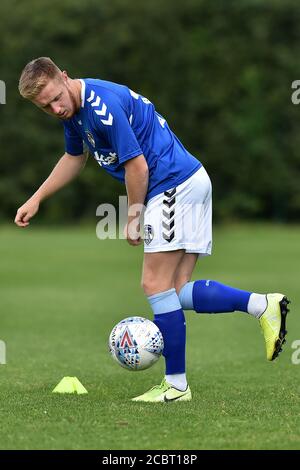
(136,343)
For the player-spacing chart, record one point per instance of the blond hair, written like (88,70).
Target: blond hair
(36,75)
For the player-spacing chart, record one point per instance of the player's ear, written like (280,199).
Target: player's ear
(64,75)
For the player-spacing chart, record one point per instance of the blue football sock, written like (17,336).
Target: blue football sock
(169,318)
(207,296)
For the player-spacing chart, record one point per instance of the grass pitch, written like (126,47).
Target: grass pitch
(61,292)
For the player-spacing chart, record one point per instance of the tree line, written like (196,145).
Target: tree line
(220,72)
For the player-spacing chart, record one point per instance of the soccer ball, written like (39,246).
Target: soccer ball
(136,343)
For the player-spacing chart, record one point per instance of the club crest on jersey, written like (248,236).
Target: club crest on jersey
(148,234)
(90,138)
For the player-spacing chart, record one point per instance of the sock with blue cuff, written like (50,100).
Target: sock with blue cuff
(169,318)
(207,296)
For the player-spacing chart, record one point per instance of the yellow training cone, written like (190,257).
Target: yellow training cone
(78,387)
(70,385)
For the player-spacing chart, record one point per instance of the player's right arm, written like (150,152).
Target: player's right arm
(67,168)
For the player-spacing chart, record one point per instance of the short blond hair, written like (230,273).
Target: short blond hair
(36,75)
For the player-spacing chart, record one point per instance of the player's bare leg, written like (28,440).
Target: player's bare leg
(159,271)
(158,282)
(185,270)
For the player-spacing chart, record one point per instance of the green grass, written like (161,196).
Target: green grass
(61,292)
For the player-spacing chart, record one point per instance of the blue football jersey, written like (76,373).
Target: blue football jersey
(118,124)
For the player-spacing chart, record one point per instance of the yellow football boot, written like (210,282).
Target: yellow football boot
(164,393)
(272,323)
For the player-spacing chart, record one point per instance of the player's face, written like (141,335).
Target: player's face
(57,98)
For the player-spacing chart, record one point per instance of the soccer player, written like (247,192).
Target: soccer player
(133,143)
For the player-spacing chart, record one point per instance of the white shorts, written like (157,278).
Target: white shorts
(181,218)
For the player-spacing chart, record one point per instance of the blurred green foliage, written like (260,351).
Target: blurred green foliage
(219,71)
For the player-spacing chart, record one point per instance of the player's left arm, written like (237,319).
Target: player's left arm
(136,180)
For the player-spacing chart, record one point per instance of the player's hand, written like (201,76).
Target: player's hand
(132,232)
(26,212)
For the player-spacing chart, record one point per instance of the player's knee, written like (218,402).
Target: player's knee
(145,285)
(180,283)
(149,286)
(154,285)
